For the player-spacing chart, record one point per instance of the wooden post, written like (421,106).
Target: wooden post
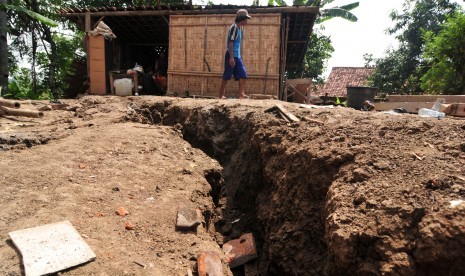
(87,22)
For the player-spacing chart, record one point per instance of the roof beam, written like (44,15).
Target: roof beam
(312,10)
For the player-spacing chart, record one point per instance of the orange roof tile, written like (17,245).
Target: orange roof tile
(341,77)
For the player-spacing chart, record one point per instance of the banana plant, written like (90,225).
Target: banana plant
(327,14)
(41,18)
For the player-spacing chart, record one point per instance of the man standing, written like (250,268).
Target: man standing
(232,60)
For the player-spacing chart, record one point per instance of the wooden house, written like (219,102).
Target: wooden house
(275,40)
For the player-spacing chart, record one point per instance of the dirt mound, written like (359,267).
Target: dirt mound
(341,192)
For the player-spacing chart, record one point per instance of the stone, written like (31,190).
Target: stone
(44,107)
(129,226)
(188,219)
(209,263)
(240,251)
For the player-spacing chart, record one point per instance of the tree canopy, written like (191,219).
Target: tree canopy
(320,48)
(402,68)
(444,55)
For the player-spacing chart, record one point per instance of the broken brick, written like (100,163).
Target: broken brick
(129,226)
(121,211)
(188,219)
(209,263)
(240,251)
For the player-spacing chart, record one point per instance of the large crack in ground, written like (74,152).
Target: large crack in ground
(276,194)
(343,192)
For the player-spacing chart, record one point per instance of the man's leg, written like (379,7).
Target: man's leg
(242,94)
(223,88)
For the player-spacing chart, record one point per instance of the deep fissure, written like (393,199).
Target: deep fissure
(283,206)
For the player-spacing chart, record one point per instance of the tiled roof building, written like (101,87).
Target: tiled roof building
(341,77)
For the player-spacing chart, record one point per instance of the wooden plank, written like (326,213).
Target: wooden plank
(298,81)
(251,10)
(426,98)
(283,113)
(410,107)
(220,74)
(262,97)
(288,114)
(96,63)
(222,24)
(457,110)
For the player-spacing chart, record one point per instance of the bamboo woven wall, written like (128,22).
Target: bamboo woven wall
(194,37)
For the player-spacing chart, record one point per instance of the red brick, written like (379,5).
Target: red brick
(209,264)
(240,251)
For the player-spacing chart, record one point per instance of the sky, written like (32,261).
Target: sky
(351,40)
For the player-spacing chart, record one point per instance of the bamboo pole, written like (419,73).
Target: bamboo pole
(17,112)
(8,103)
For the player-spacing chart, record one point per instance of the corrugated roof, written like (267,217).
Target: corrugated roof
(341,77)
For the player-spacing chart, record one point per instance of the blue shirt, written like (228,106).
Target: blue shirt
(235,35)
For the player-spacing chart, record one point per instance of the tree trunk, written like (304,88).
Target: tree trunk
(52,55)
(53,61)
(3,51)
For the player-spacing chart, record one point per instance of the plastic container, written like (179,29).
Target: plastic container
(357,95)
(123,87)
(425,112)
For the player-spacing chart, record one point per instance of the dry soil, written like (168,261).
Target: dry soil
(342,192)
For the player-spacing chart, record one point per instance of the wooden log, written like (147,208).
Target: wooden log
(457,110)
(8,103)
(17,112)
(427,98)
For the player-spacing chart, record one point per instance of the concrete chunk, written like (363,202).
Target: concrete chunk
(51,248)
(188,219)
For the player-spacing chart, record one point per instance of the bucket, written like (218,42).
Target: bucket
(357,95)
(123,87)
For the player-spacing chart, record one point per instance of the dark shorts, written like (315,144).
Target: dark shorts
(238,71)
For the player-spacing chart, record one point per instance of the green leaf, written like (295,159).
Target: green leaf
(350,6)
(32,14)
(328,14)
(324,2)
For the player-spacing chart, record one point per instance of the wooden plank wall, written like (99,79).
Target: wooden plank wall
(198,42)
(97,72)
